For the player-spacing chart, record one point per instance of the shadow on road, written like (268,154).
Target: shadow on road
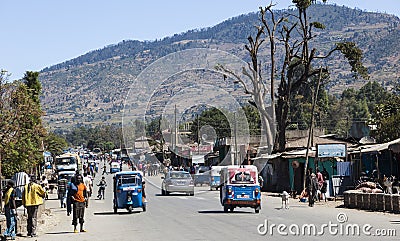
(172,195)
(221,211)
(293,206)
(118,213)
(65,232)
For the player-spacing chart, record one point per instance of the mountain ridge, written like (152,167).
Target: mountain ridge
(91,88)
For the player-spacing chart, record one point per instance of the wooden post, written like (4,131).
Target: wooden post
(311,126)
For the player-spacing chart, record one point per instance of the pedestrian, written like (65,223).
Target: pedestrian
(312,186)
(321,181)
(143,192)
(261,181)
(62,191)
(102,187)
(71,190)
(104,169)
(88,183)
(32,197)
(10,210)
(79,204)
(45,184)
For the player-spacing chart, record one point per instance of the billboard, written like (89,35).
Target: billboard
(331,150)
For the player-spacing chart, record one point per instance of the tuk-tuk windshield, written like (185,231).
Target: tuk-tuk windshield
(129,179)
(244,177)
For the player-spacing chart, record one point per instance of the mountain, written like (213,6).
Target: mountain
(91,88)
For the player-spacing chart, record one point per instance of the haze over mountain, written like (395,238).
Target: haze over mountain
(92,88)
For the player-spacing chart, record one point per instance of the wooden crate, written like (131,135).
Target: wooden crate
(366,202)
(380,202)
(396,203)
(388,202)
(346,199)
(353,200)
(373,201)
(359,199)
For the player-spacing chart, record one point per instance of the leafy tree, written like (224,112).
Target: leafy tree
(387,118)
(55,144)
(373,94)
(105,137)
(153,128)
(24,150)
(212,117)
(253,119)
(31,80)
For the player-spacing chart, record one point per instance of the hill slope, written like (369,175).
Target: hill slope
(91,88)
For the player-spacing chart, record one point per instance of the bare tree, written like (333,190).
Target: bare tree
(291,33)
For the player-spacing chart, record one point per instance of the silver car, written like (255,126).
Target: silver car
(177,181)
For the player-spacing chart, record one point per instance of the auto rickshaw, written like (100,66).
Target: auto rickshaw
(215,177)
(240,188)
(115,167)
(128,191)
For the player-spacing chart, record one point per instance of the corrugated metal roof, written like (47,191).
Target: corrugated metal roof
(375,147)
(302,142)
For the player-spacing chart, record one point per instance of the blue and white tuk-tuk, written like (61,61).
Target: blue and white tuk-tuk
(128,191)
(215,177)
(115,167)
(240,187)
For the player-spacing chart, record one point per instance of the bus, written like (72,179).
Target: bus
(68,162)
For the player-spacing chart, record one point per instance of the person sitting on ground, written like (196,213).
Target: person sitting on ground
(304,194)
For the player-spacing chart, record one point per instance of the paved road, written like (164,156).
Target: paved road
(201,217)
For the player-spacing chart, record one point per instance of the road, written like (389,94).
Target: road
(201,217)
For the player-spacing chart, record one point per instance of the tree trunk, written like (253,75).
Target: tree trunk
(281,117)
(266,135)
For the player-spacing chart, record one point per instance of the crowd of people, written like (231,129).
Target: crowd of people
(316,186)
(149,169)
(73,192)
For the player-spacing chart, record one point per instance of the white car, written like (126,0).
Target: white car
(177,181)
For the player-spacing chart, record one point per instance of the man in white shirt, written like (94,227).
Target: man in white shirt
(88,183)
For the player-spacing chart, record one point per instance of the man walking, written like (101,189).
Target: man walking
(10,210)
(312,186)
(79,204)
(32,197)
(62,191)
(88,183)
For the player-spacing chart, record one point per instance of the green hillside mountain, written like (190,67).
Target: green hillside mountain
(91,88)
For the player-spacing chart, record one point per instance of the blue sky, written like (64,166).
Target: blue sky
(38,34)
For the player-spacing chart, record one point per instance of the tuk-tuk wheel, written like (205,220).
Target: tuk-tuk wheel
(115,209)
(130,209)
(257,210)
(144,208)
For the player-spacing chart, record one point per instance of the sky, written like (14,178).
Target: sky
(42,33)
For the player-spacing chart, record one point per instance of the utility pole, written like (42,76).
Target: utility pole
(236,152)
(198,135)
(175,128)
(310,132)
